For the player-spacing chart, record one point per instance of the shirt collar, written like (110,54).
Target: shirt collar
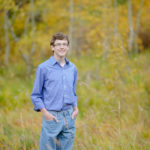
(53,60)
(67,61)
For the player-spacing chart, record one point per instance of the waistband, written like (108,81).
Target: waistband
(70,110)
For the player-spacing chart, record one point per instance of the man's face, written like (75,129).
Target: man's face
(60,48)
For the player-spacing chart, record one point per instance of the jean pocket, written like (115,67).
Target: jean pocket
(71,116)
(49,120)
(74,118)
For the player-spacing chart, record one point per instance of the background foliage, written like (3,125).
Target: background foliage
(110,45)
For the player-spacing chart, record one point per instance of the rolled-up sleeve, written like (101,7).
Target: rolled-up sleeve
(36,95)
(74,87)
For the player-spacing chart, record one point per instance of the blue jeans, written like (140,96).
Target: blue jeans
(58,135)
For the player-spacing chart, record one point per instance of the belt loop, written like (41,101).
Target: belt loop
(56,114)
(63,113)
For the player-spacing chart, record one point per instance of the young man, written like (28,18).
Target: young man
(54,94)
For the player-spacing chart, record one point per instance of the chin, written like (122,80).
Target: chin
(62,55)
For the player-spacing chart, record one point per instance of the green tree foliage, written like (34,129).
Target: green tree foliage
(93,24)
(113,81)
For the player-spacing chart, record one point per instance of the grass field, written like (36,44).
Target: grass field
(113,101)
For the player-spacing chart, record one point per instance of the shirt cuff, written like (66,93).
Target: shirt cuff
(38,107)
(75,103)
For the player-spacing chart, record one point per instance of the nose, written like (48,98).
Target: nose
(61,46)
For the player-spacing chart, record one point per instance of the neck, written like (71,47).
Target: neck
(61,60)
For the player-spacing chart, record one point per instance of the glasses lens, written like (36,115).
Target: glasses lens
(59,44)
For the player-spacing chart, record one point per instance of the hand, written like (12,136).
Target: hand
(48,116)
(75,113)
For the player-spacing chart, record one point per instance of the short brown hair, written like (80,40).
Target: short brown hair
(58,36)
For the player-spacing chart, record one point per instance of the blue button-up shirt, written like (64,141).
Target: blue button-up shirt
(55,86)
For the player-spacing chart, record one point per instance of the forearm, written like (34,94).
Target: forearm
(43,110)
(37,92)
(75,108)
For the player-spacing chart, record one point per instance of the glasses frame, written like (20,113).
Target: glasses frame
(61,44)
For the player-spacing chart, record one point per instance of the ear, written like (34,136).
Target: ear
(52,47)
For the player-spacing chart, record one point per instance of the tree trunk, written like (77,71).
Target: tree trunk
(28,58)
(106,29)
(117,35)
(71,26)
(7,50)
(131,34)
(116,19)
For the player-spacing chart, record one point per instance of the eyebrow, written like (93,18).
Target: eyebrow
(62,42)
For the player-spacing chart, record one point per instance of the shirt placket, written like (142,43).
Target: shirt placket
(64,84)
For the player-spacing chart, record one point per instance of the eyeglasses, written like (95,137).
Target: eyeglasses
(59,44)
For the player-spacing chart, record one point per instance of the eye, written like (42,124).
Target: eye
(65,44)
(59,44)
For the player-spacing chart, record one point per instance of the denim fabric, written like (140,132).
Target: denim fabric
(58,135)
(55,86)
